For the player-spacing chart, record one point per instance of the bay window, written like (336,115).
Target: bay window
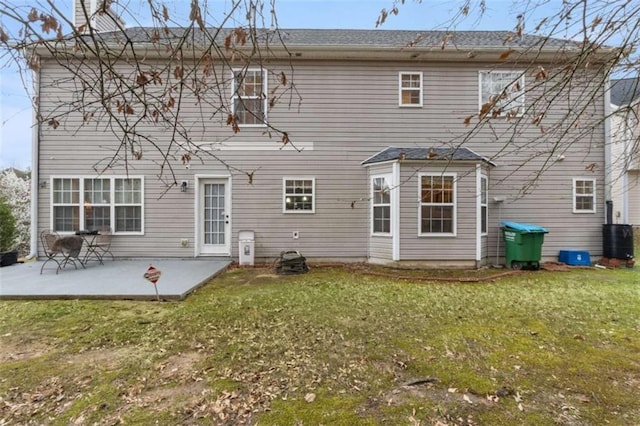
(437,204)
(484,205)
(381,204)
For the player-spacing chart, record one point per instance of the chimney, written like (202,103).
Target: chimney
(97,14)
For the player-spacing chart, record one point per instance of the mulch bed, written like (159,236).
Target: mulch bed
(433,275)
(462,276)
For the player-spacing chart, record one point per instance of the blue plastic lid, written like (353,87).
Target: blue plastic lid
(525,227)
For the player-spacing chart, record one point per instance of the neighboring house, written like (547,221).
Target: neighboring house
(19,173)
(625,150)
(390,169)
(92,14)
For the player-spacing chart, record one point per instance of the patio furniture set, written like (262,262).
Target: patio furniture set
(67,249)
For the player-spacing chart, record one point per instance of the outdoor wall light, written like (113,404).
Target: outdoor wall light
(183,186)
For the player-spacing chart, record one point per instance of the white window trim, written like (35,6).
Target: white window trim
(522,98)
(81,179)
(265,88)
(575,209)
(485,204)
(400,89)
(53,205)
(455,206)
(284,195)
(389,179)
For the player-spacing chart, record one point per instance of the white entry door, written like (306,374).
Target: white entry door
(215,217)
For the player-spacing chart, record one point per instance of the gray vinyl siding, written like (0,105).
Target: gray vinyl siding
(349,111)
(336,229)
(485,257)
(551,206)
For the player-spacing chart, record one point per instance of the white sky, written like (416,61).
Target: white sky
(15,108)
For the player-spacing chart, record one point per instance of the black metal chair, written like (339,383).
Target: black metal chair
(48,239)
(61,250)
(100,246)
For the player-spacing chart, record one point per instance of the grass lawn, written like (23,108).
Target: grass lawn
(336,346)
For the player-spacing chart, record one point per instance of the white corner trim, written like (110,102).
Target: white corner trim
(478,213)
(395,211)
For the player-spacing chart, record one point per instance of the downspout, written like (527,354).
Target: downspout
(628,163)
(625,198)
(35,164)
(608,171)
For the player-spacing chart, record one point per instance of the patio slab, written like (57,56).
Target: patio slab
(118,279)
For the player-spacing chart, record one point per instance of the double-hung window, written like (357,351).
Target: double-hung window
(381,204)
(484,206)
(66,204)
(584,195)
(410,90)
(98,203)
(437,204)
(502,93)
(249,97)
(127,205)
(299,195)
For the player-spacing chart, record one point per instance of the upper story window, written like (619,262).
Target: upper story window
(249,97)
(410,89)
(381,204)
(437,204)
(299,195)
(584,195)
(501,93)
(97,203)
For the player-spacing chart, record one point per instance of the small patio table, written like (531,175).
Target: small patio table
(89,238)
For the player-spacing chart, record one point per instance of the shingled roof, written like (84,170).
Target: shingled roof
(398,38)
(423,154)
(378,38)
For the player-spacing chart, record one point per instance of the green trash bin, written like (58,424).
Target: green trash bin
(522,244)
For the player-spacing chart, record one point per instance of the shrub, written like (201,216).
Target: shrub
(8,229)
(15,188)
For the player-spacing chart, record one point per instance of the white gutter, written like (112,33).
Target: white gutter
(298,51)
(35,161)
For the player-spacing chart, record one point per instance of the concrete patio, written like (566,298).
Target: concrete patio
(119,279)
